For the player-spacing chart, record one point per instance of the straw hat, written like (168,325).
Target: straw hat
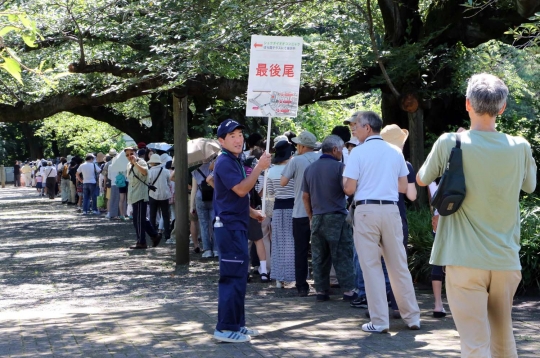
(112,152)
(395,135)
(155,159)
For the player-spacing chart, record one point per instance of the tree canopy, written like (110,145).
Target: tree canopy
(119,61)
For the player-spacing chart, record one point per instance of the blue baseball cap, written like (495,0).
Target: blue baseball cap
(227,126)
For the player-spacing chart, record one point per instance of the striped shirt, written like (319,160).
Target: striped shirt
(274,187)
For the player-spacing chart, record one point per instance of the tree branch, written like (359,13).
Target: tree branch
(66,102)
(369,19)
(101,66)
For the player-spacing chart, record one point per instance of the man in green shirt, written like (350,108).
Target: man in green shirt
(479,244)
(137,170)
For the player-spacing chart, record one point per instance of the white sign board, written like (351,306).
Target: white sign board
(274,76)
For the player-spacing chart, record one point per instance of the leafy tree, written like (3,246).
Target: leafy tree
(65,133)
(118,50)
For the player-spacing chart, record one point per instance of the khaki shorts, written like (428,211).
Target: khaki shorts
(108,193)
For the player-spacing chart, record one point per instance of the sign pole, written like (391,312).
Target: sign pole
(266,171)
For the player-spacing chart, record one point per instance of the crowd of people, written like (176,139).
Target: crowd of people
(343,201)
(105,184)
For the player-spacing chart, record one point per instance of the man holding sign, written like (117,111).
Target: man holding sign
(231,206)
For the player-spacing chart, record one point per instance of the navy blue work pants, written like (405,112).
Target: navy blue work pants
(233,271)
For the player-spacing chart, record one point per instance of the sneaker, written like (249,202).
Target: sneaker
(96,212)
(360,302)
(350,298)
(216,253)
(108,216)
(207,254)
(415,326)
(249,331)
(231,336)
(279,284)
(370,327)
(84,213)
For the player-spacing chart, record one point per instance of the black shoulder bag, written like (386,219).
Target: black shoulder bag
(150,187)
(207,191)
(451,191)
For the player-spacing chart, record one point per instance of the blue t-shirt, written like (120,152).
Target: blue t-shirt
(232,210)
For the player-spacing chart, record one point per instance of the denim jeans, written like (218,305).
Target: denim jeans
(89,192)
(205,212)
(359,277)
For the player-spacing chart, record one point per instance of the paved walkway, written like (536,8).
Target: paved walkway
(70,288)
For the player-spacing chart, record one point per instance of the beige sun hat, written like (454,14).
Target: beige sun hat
(395,135)
(155,159)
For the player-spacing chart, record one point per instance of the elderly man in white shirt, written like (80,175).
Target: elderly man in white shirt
(375,171)
(160,178)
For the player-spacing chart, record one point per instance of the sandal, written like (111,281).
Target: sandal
(439,314)
(265,278)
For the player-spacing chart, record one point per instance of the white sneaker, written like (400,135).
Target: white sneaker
(231,336)
(370,327)
(278,284)
(216,253)
(108,216)
(415,326)
(96,212)
(207,254)
(249,331)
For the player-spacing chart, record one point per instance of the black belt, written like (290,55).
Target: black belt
(379,202)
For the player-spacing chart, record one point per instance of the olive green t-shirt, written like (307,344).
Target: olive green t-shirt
(485,232)
(137,190)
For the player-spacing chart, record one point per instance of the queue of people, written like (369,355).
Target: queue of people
(343,200)
(330,200)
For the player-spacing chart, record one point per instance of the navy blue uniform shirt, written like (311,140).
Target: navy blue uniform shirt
(232,210)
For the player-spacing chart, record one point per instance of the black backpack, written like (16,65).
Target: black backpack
(207,191)
(451,191)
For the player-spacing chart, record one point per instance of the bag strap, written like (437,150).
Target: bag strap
(155,180)
(135,175)
(204,176)
(458,140)
(49,173)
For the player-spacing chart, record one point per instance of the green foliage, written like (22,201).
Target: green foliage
(421,242)
(321,117)
(79,135)
(18,23)
(530,243)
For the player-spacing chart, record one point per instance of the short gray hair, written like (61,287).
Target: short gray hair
(487,94)
(331,142)
(369,117)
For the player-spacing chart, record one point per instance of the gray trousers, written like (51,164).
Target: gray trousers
(114,201)
(66,189)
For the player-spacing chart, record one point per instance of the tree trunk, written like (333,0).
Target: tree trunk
(416,147)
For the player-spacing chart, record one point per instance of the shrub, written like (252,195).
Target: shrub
(530,243)
(421,241)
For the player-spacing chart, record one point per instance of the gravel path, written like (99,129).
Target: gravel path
(70,287)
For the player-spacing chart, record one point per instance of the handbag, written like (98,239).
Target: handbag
(451,191)
(101,201)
